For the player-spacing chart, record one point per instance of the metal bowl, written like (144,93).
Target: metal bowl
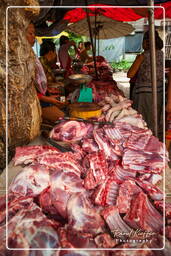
(80,79)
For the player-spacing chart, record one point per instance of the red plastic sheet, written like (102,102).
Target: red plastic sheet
(120,14)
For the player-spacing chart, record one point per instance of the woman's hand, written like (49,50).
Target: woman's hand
(57,102)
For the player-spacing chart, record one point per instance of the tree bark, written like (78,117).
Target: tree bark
(24,114)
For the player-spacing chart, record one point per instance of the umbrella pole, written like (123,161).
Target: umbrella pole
(91,39)
(153,63)
(98,43)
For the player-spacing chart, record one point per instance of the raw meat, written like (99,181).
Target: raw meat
(118,107)
(31,181)
(105,241)
(106,193)
(119,173)
(160,206)
(71,131)
(151,162)
(97,171)
(138,141)
(114,221)
(63,185)
(142,214)
(82,215)
(28,228)
(134,121)
(71,238)
(127,191)
(89,145)
(154,192)
(28,154)
(61,161)
(104,144)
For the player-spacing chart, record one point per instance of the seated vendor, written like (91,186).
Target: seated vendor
(48,58)
(84,57)
(50,105)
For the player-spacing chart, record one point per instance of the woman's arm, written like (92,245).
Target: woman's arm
(50,99)
(135,66)
(168,106)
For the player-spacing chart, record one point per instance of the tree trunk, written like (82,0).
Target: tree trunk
(24,114)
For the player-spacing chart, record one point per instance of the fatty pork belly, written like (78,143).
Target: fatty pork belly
(61,161)
(28,154)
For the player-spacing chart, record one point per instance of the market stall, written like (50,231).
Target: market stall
(101,193)
(93,184)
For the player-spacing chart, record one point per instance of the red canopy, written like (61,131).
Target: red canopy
(120,14)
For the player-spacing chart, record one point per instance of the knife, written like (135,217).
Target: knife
(53,143)
(67,118)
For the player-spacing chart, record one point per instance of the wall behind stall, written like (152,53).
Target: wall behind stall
(24,114)
(114,49)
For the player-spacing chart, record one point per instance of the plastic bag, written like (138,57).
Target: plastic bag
(86,94)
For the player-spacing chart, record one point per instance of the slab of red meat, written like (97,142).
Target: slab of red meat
(71,131)
(28,154)
(98,169)
(160,206)
(14,206)
(119,173)
(124,128)
(89,145)
(114,221)
(127,191)
(153,191)
(105,241)
(82,215)
(154,145)
(63,185)
(28,228)
(79,153)
(104,144)
(71,238)
(150,162)
(61,161)
(46,204)
(153,178)
(138,141)
(142,214)
(114,134)
(106,193)
(31,181)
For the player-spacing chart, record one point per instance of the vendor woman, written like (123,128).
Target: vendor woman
(50,105)
(84,57)
(48,59)
(64,57)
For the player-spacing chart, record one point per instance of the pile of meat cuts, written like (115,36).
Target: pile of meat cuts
(102,194)
(103,68)
(105,86)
